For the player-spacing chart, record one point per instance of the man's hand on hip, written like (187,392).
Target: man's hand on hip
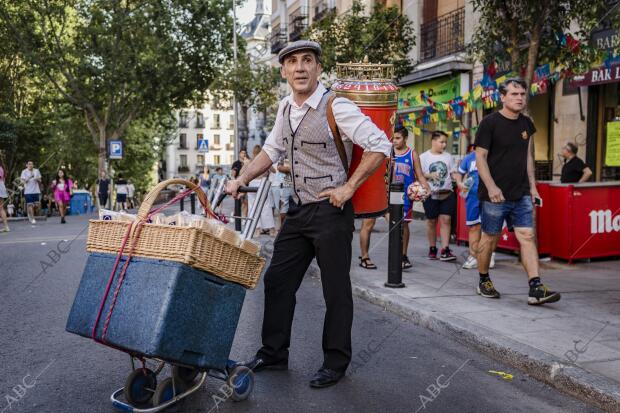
(338,196)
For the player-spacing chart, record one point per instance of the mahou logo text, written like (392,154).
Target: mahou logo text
(602,221)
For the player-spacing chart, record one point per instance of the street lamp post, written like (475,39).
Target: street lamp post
(236,112)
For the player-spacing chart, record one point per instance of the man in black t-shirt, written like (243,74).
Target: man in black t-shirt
(574,170)
(507,188)
(103,190)
(238,164)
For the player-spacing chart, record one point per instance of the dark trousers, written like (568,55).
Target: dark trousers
(103,200)
(314,230)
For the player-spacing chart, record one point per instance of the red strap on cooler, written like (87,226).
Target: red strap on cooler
(121,277)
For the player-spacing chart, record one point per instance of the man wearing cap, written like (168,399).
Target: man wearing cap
(319,222)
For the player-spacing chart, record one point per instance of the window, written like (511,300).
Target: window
(231,124)
(200,120)
(182,119)
(231,159)
(200,160)
(183,141)
(216,122)
(216,139)
(199,137)
(216,159)
(183,160)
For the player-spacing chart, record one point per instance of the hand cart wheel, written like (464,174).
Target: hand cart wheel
(140,386)
(241,381)
(166,390)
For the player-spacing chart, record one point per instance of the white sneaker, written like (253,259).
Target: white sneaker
(33,221)
(470,263)
(492,264)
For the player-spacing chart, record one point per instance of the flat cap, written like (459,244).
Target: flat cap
(297,46)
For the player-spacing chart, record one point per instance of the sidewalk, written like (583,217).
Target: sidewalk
(573,344)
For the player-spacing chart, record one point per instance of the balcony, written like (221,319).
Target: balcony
(230,146)
(200,123)
(216,125)
(183,169)
(321,11)
(443,36)
(183,123)
(278,40)
(298,23)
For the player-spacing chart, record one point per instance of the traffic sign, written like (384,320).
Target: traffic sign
(116,149)
(203,145)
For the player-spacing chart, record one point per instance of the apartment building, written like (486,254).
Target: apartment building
(289,18)
(184,158)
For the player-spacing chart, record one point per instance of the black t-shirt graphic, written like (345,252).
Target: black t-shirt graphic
(572,171)
(507,142)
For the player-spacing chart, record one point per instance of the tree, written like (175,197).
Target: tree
(252,85)
(526,33)
(119,60)
(385,36)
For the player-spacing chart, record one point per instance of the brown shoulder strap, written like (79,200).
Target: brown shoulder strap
(331,121)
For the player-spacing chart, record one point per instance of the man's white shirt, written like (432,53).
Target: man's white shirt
(352,123)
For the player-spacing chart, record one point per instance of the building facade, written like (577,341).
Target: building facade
(187,155)
(256,35)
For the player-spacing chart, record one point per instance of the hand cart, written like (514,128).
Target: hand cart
(143,393)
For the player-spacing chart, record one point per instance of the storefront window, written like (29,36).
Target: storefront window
(611,132)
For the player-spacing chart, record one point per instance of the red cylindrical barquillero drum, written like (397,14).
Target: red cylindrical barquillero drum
(370,86)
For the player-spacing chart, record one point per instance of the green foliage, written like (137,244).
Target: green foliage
(146,140)
(524,33)
(385,36)
(120,60)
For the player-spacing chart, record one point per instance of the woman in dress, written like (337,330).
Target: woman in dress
(63,189)
(3,196)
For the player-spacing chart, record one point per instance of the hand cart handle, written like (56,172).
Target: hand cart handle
(242,189)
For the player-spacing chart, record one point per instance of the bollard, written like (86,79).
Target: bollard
(237,214)
(395,245)
(192,200)
(182,204)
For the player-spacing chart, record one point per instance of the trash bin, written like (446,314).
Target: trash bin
(80,203)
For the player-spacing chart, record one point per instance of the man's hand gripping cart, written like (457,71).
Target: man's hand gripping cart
(180,311)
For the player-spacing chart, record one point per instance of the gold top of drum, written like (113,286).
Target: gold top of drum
(364,71)
(366,84)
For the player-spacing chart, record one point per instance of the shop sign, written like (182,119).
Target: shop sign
(598,76)
(605,39)
(442,90)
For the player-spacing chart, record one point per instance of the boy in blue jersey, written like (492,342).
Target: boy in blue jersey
(469,186)
(406,169)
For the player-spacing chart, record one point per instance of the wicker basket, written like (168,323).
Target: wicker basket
(188,245)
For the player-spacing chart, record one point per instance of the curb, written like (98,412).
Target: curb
(591,388)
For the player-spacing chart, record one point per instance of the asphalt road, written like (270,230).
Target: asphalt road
(397,366)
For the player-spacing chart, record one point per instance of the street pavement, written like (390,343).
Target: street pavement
(573,344)
(397,366)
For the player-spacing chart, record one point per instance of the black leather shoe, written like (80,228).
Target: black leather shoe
(257,364)
(325,378)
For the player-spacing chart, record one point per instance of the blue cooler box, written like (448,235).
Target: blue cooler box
(164,309)
(80,204)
